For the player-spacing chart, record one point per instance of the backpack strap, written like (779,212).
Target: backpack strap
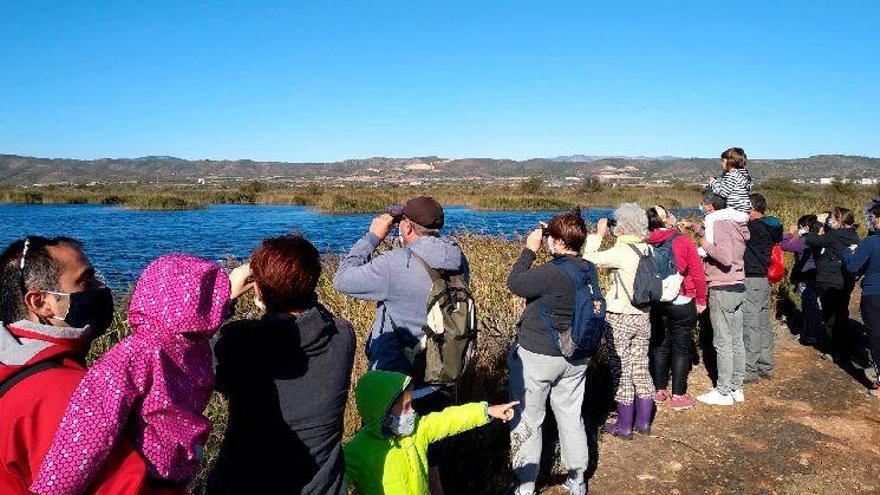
(26,372)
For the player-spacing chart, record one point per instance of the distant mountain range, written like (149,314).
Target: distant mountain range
(22,170)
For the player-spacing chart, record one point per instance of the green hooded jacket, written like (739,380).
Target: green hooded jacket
(378,463)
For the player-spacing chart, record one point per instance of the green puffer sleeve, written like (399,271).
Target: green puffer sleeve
(452,421)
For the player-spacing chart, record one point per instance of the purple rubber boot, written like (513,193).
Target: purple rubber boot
(624,426)
(644,413)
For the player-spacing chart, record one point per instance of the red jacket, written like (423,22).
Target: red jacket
(31,410)
(688,262)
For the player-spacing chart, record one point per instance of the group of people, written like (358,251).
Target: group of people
(134,422)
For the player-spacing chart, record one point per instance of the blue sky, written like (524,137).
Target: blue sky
(324,80)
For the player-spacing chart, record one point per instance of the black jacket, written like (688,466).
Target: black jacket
(828,252)
(287,381)
(764,234)
(550,283)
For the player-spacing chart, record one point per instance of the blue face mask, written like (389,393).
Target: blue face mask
(403,425)
(702,209)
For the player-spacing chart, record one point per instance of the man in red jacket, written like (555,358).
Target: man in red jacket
(51,308)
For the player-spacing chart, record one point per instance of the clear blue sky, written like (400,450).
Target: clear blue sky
(323,80)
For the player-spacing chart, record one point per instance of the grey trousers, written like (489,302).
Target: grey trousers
(726,314)
(757,331)
(534,377)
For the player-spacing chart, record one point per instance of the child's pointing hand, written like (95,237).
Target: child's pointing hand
(504,412)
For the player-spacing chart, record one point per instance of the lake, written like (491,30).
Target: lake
(121,242)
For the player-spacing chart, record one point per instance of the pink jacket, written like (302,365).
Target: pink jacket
(152,386)
(723,263)
(688,262)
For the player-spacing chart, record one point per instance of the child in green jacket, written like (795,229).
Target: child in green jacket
(389,455)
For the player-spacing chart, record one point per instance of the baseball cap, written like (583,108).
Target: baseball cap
(425,211)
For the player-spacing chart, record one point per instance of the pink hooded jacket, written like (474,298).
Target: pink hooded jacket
(152,386)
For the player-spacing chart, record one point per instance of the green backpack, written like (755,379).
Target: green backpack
(442,355)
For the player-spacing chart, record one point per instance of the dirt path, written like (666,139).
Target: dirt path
(812,429)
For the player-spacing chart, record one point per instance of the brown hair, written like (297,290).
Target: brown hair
(844,216)
(569,228)
(736,157)
(286,269)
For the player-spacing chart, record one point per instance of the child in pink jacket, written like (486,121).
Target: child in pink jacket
(152,386)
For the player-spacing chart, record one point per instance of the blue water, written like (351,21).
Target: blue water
(121,242)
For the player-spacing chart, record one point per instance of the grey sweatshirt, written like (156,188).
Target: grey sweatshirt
(400,286)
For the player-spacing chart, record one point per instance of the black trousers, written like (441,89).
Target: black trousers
(672,328)
(870,309)
(835,315)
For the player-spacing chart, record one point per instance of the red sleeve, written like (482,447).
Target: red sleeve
(690,265)
(29,416)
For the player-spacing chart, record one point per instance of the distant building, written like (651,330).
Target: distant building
(826,180)
(868,182)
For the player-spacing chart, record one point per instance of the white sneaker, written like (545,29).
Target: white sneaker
(738,395)
(716,398)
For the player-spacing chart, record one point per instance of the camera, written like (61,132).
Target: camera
(612,223)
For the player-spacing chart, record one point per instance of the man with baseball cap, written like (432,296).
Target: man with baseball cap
(400,285)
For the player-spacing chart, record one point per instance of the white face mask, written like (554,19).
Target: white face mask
(551,245)
(403,425)
(803,231)
(259,302)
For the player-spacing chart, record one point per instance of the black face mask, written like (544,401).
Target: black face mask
(93,307)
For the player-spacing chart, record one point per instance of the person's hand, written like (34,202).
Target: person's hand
(822,217)
(793,230)
(533,241)
(504,412)
(701,308)
(685,225)
(597,307)
(712,180)
(240,281)
(381,226)
(852,247)
(602,227)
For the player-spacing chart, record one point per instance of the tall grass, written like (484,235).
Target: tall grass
(485,451)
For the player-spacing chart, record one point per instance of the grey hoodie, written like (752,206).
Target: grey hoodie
(400,286)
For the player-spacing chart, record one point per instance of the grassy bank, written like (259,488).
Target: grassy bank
(498,310)
(359,199)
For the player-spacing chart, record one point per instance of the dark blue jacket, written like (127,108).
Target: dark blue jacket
(866,260)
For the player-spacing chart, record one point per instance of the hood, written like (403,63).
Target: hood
(179,294)
(744,173)
(438,253)
(848,236)
(375,392)
(772,222)
(315,328)
(659,236)
(25,343)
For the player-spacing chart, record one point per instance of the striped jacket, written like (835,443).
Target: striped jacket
(735,186)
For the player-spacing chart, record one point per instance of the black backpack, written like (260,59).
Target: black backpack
(583,336)
(648,283)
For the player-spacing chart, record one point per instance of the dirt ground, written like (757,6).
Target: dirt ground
(812,429)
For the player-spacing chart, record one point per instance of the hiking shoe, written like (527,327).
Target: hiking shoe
(661,396)
(738,396)
(575,487)
(716,398)
(681,402)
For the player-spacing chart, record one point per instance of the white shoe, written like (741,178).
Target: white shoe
(716,398)
(738,396)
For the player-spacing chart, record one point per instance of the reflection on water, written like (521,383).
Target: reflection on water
(121,242)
